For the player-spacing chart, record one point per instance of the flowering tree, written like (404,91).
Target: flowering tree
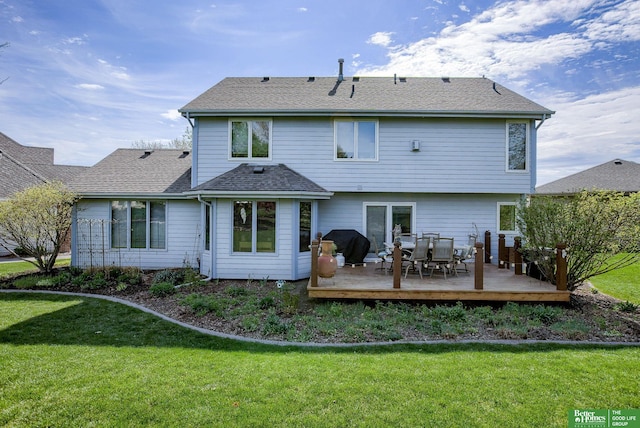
(600,228)
(38,220)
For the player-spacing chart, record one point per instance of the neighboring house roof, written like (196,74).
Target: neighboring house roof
(249,179)
(23,166)
(137,172)
(617,175)
(411,96)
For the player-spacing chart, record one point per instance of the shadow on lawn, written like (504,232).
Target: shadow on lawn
(96,322)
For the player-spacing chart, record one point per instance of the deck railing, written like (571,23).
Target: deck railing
(480,256)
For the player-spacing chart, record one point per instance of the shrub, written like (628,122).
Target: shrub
(172,276)
(162,289)
(626,306)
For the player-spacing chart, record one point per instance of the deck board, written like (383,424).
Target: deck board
(369,282)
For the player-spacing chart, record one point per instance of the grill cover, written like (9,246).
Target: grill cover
(352,244)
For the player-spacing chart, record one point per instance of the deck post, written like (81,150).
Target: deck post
(397,264)
(478,280)
(503,255)
(487,246)
(517,255)
(561,267)
(314,260)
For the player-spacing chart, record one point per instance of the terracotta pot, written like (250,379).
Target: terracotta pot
(327,264)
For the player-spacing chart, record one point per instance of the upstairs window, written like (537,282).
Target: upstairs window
(356,140)
(517,146)
(250,139)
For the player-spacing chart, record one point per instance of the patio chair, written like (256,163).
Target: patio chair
(418,256)
(460,256)
(382,253)
(442,256)
(432,235)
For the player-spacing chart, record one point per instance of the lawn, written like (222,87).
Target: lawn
(622,284)
(11,268)
(69,361)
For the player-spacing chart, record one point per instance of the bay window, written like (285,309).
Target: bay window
(254,226)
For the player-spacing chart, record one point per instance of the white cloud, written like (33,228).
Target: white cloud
(90,86)
(380,38)
(302,9)
(587,132)
(171,115)
(17,19)
(464,8)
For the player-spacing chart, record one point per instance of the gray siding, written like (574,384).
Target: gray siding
(450,215)
(456,155)
(257,266)
(92,245)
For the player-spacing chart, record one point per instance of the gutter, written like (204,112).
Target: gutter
(542,120)
(260,194)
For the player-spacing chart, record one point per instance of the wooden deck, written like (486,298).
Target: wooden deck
(500,285)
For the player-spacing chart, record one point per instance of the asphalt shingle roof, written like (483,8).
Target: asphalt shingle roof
(137,171)
(382,95)
(617,175)
(24,166)
(260,178)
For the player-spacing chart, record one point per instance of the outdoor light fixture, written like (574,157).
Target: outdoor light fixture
(415,146)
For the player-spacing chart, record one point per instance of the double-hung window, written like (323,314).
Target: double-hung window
(138,224)
(356,140)
(506,217)
(250,139)
(254,226)
(517,146)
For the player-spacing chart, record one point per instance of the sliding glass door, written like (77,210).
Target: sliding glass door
(381,217)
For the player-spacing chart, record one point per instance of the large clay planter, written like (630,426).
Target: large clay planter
(327,264)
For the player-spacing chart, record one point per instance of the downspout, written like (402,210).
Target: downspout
(194,149)
(202,201)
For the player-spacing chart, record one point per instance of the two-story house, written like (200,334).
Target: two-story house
(276,160)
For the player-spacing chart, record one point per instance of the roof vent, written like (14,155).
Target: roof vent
(617,162)
(146,154)
(311,79)
(356,79)
(265,79)
(184,154)
(403,80)
(340,74)
(446,80)
(258,169)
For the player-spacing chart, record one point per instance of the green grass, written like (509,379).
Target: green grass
(622,283)
(12,268)
(68,361)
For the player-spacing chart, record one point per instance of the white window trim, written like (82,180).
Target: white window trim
(527,149)
(389,220)
(147,225)
(249,157)
(254,230)
(506,232)
(355,148)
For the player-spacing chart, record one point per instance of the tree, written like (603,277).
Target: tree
(600,228)
(38,220)
(185,142)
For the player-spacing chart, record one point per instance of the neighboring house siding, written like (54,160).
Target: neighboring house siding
(456,156)
(92,240)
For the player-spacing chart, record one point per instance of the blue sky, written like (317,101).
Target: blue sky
(86,77)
